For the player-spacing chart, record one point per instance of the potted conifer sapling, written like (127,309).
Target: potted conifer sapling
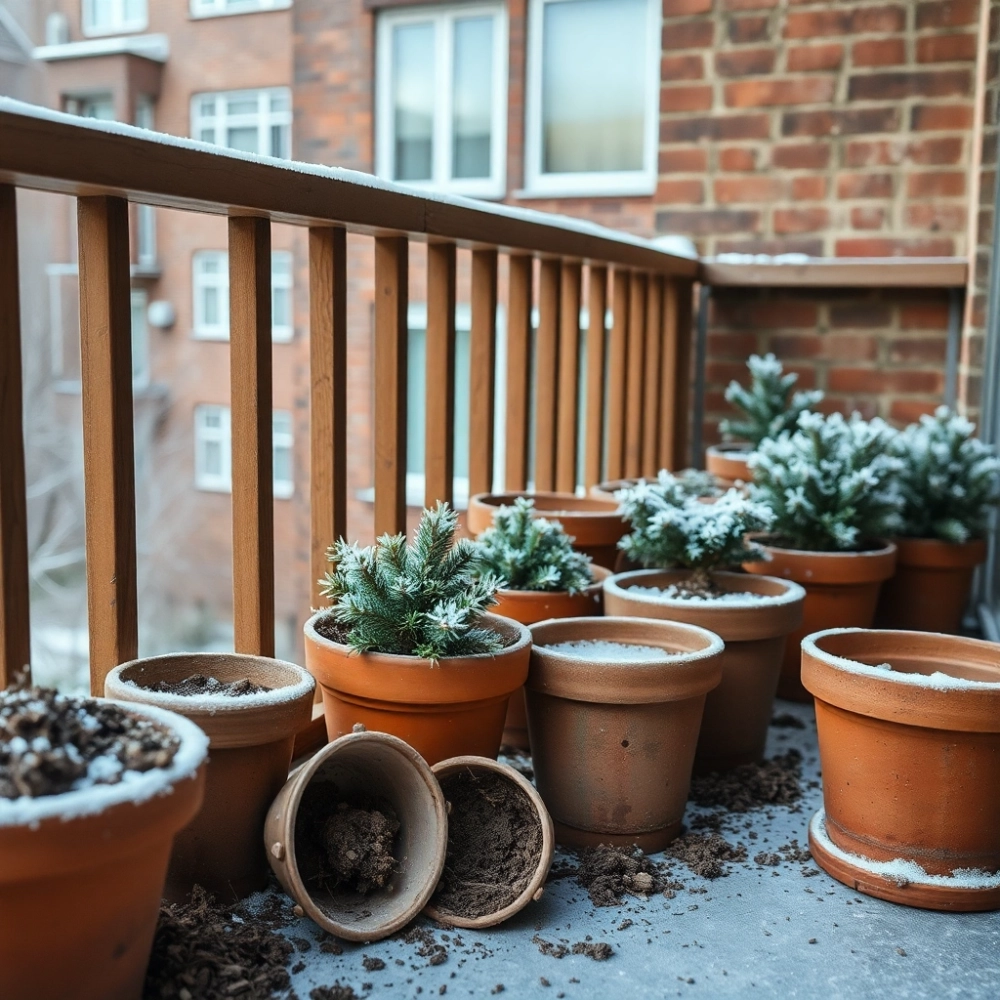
(408,647)
(690,549)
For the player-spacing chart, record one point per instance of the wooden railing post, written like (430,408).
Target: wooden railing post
(634,380)
(547,360)
(668,377)
(682,401)
(328,399)
(651,364)
(618,372)
(482,370)
(569,374)
(597,307)
(439,446)
(15,631)
(108,436)
(519,372)
(391,337)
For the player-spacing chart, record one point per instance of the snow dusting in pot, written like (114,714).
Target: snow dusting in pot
(675,593)
(604,651)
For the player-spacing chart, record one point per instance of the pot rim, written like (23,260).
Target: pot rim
(793,591)
(575,505)
(731,448)
(598,573)
(886,547)
(97,799)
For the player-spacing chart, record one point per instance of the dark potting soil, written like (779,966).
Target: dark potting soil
(428,946)
(706,854)
(785,720)
(197,685)
(359,847)
(608,873)
(201,952)
(599,951)
(335,992)
(750,786)
(52,743)
(494,844)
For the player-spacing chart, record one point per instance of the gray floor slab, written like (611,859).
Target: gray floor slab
(764,932)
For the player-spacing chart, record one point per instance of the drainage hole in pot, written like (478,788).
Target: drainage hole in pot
(624,743)
(494,844)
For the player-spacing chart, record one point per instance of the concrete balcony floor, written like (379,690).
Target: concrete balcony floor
(786,931)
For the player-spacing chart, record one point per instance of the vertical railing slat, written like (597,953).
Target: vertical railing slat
(617,372)
(547,359)
(634,381)
(651,390)
(519,369)
(682,409)
(328,399)
(252,434)
(15,632)
(569,374)
(668,377)
(439,440)
(108,434)
(597,307)
(391,264)
(482,370)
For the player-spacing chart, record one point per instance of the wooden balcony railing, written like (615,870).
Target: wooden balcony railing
(641,416)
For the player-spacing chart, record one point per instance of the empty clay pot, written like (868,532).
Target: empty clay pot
(375,771)
(738,711)
(446,709)
(911,765)
(81,876)
(250,741)
(842,591)
(594,525)
(531,869)
(930,588)
(728,463)
(528,607)
(613,741)
(608,489)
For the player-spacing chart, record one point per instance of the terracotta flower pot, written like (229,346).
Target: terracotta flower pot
(594,525)
(728,463)
(535,870)
(608,489)
(911,765)
(250,740)
(931,587)
(842,591)
(613,742)
(738,711)
(81,876)
(452,708)
(528,607)
(372,770)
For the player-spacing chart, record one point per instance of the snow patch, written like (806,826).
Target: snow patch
(605,651)
(621,586)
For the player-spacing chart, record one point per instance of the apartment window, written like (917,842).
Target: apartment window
(593,97)
(140,339)
(253,121)
(210,293)
(213,450)
(213,8)
(441,98)
(109,17)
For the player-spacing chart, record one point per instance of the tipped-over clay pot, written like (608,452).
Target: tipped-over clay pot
(81,877)
(738,711)
(909,743)
(534,868)
(369,770)
(728,463)
(613,741)
(250,749)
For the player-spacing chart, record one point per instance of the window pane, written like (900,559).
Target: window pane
(413,100)
(208,264)
(462,380)
(244,139)
(135,10)
(280,311)
(210,306)
(206,107)
(282,464)
(473,97)
(416,387)
(593,85)
(245,104)
(212,458)
(279,140)
(211,416)
(207,135)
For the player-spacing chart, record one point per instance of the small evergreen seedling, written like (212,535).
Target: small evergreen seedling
(671,530)
(531,553)
(950,480)
(831,483)
(423,599)
(769,406)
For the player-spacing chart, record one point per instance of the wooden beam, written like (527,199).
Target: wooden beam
(651,364)
(618,372)
(634,380)
(519,370)
(547,367)
(569,374)
(669,375)
(482,370)
(682,404)
(597,307)
(439,441)
(840,272)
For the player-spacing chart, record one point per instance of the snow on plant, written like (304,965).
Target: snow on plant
(531,553)
(769,406)
(950,480)
(831,483)
(423,599)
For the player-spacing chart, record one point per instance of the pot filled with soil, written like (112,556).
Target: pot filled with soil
(594,525)
(500,843)
(92,794)
(614,710)
(358,836)
(250,707)
(909,742)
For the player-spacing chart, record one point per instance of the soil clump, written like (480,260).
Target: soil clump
(359,847)
(335,992)
(599,951)
(198,685)
(609,873)
(436,954)
(706,854)
(774,782)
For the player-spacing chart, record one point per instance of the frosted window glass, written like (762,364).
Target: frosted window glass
(413,100)
(472,97)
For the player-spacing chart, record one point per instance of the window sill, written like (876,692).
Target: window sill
(156,48)
(249,9)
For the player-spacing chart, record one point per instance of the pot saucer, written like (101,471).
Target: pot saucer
(902,881)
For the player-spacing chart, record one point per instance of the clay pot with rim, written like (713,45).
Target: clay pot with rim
(911,765)
(842,590)
(373,770)
(250,741)
(608,489)
(595,525)
(536,869)
(738,711)
(613,741)
(81,877)
(452,708)
(930,589)
(728,463)
(528,607)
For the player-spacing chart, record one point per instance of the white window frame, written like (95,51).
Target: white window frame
(223,8)
(595,183)
(264,118)
(202,330)
(118,25)
(443,18)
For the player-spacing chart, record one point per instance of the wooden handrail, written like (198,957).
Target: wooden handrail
(838,272)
